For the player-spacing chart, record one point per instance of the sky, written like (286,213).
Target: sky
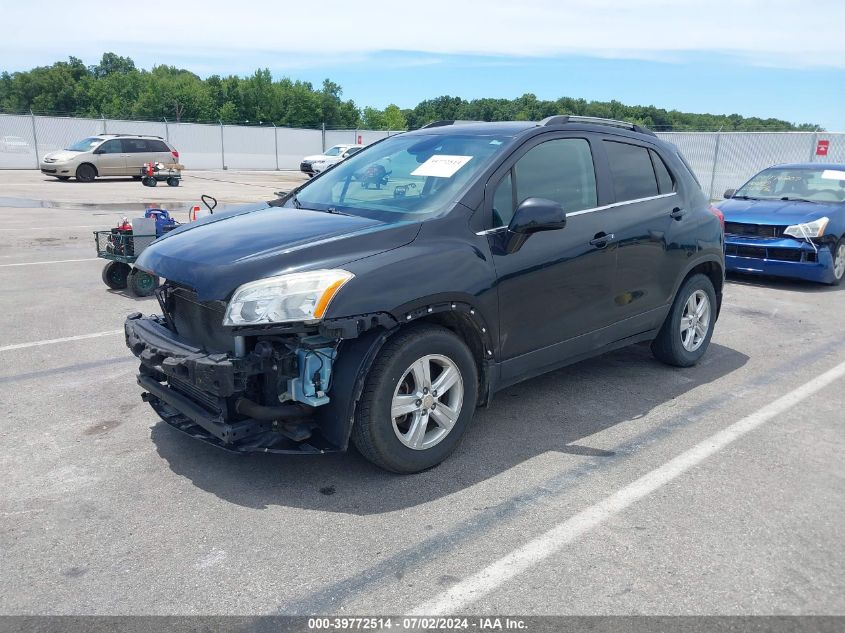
(777,58)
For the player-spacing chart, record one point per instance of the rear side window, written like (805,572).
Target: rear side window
(664,177)
(632,171)
(135,145)
(560,170)
(157,146)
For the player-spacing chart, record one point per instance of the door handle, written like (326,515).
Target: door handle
(677,213)
(601,240)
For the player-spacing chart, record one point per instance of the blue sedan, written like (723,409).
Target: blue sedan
(788,221)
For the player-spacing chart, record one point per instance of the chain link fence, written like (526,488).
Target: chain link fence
(25,139)
(720,160)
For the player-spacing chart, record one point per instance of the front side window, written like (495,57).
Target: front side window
(333,151)
(631,170)
(110,147)
(401,178)
(560,170)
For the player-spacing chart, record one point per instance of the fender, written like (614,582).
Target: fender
(708,258)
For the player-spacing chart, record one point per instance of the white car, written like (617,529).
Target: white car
(313,165)
(14,144)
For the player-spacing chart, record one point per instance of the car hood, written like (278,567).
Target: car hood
(64,154)
(315,157)
(775,212)
(218,253)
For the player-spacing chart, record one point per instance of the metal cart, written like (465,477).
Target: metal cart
(154,173)
(119,247)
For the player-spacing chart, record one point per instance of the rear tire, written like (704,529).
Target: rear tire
(115,275)
(142,284)
(398,380)
(85,173)
(688,328)
(149,181)
(838,262)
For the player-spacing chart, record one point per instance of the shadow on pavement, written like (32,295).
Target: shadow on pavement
(553,412)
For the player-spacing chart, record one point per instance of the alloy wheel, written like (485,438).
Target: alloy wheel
(839,261)
(695,321)
(427,402)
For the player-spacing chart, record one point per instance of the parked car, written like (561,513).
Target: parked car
(353,312)
(316,163)
(788,221)
(14,145)
(108,155)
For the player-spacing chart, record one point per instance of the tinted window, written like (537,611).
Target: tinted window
(157,146)
(135,145)
(664,177)
(110,147)
(632,171)
(560,170)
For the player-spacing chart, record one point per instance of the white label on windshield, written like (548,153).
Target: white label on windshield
(833,174)
(441,166)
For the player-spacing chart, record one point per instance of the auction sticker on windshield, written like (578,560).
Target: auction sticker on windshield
(441,166)
(833,174)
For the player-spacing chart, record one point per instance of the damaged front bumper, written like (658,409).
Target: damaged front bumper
(217,397)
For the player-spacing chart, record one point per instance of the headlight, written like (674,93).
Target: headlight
(51,160)
(294,297)
(808,229)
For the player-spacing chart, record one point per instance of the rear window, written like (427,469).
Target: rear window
(157,146)
(664,177)
(632,171)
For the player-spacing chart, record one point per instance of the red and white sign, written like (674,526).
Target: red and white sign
(822,147)
(360,137)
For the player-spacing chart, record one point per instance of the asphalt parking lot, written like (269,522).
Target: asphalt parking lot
(106,510)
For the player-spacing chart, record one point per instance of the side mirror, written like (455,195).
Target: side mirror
(729,193)
(99,150)
(532,216)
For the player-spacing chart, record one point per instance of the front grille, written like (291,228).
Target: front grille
(48,171)
(208,401)
(200,322)
(753,230)
(306,167)
(776,254)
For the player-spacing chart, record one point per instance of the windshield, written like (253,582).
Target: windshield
(85,144)
(333,151)
(402,177)
(778,183)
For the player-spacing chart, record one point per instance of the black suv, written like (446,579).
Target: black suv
(488,254)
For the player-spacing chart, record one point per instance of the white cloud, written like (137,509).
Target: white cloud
(775,32)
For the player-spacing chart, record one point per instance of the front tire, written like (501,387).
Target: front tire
(838,262)
(418,400)
(688,328)
(85,173)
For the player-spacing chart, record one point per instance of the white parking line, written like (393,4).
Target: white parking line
(55,261)
(51,228)
(537,550)
(66,339)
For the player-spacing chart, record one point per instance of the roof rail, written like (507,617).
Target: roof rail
(447,122)
(127,134)
(562,119)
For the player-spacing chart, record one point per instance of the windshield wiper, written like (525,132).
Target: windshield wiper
(746,197)
(799,200)
(333,210)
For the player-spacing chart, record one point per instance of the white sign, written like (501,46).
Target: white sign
(833,174)
(441,166)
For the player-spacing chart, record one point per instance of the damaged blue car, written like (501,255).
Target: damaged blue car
(788,221)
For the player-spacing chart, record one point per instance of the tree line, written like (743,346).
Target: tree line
(116,88)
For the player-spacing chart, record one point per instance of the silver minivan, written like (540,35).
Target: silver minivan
(108,155)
